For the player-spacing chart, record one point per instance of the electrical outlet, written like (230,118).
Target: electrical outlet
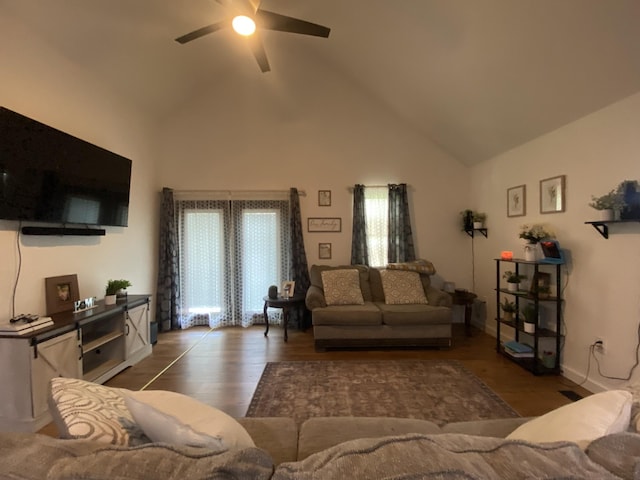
(599,345)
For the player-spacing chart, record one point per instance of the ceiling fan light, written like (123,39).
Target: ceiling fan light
(243,25)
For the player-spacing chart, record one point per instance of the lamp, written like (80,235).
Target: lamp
(243,25)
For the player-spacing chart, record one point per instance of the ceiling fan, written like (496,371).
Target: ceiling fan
(248,19)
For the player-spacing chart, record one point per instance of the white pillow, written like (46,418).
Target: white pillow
(580,422)
(180,420)
(342,287)
(402,287)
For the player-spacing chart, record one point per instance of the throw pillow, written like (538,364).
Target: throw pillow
(420,266)
(181,420)
(342,287)
(86,410)
(580,422)
(402,287)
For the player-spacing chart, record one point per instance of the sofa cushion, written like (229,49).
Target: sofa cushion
(581,422)
(276,435)
(414,314)
(86,410)
(402,287)
(315,276)
(356,315)
(181,420)
(317,434)
(342,287)
(451,456)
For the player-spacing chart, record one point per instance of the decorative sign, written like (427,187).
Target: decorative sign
(324,224)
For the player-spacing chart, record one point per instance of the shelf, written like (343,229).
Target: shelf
(527,296)
(542,332)
(482,231)
(100,370)
(530,363)
(602,226)
(97,342)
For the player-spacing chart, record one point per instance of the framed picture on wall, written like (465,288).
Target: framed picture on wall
(324,251)
(324,225)
(324,198)
(516,201)
(552,194)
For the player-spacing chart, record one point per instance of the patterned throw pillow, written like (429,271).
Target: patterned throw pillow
(420,266)
(342,287)
(82,409)
(402,287)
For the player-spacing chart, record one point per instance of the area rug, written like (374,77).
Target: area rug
(438,390)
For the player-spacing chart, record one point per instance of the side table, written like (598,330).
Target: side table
(285,304)
(464,298)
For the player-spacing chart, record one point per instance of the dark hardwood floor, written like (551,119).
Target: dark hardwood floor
(222,367)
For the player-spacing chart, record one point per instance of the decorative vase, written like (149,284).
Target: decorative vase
(513,287)
(530,250)
(606,215)
(110,299)
(529,327)
(477,225)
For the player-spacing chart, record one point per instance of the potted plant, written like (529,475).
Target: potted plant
(543,291)
(513,280)
(112,289)
(529,314)
(467,220)
(608,204)
(509,308)
(479,219)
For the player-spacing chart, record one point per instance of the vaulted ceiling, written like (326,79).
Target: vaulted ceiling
(478,77)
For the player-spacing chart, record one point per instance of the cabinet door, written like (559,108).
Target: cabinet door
(137,330)
(58,357)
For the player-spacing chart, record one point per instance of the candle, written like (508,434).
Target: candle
(506,255)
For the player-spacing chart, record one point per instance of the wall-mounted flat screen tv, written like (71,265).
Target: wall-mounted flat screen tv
(50,176)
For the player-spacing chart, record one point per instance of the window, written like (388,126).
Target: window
(376,208)
(230,252)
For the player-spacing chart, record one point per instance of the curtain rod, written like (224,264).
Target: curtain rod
(379,186)
(302,193)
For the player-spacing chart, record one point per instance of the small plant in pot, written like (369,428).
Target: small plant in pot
(608,204)
(529,314)
(509,309)
(113,288)
(513,280)
(478,219)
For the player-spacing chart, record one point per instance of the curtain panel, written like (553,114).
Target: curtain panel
(230,252)
(359,251)
(401,248)
(167,296)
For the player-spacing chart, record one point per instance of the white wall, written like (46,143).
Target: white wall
(595,153)
(41,84)
(321,134)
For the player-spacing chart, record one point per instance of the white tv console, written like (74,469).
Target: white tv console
(95,345)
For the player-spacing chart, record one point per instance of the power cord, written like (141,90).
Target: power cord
(592,352)
(15,285)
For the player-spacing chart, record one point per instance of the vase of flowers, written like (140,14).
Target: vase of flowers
(533,234)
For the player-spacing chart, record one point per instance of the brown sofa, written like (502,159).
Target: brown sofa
(376,323)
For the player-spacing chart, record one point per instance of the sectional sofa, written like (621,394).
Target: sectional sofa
(115,433)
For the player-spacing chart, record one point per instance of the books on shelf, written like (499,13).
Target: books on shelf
(518,350)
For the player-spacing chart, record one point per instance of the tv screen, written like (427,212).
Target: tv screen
(50,176)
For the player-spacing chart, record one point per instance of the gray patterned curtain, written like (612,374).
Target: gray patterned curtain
(401,247)
(359,251)
(299,266)
(167,287)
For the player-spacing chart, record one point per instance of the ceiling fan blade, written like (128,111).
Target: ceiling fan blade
(282,23)
(201,32)
(258,51)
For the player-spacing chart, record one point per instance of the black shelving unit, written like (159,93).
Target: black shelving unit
(535,363)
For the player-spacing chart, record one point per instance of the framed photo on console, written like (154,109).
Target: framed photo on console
(61,293)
